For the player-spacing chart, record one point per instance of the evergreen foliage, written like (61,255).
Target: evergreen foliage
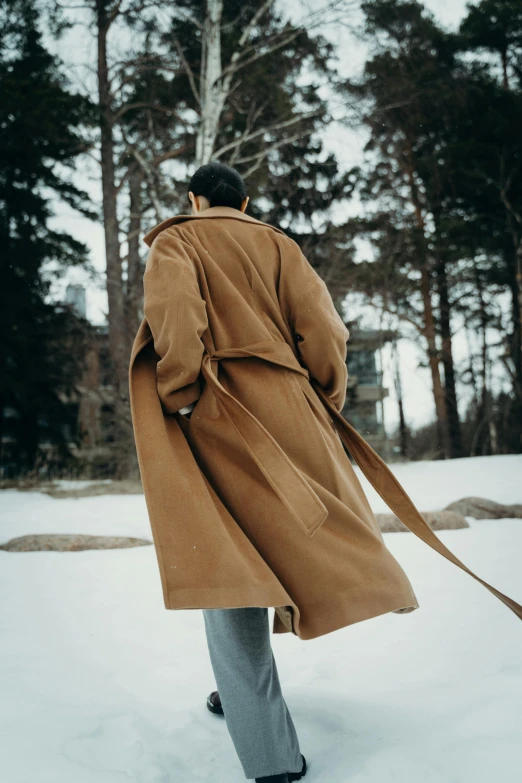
(40,138)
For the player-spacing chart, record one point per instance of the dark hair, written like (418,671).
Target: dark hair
(222,185)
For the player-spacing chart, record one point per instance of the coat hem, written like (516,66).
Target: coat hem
(337,619)
(284,620)
(224,598)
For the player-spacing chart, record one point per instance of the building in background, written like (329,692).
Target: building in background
(76,297)
(364,407)
(92,401)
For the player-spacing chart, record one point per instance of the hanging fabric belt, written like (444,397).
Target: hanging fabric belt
(289,484)
(394,495)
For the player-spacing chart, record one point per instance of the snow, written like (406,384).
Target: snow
(434,485)
(101,684)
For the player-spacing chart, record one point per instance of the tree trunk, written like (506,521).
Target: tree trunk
(428,330)
(513,358)
(212,97)
(134,290)
(134,299)
(433,358)
(516,337)
(514,267)
(3,434)
(482,442)
(450,392)
(403,430)
(118,346)
(517,314)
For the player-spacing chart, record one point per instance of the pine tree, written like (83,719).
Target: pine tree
(491,165)
(40,137)
(409,100)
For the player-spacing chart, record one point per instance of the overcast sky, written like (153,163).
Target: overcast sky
(77,48)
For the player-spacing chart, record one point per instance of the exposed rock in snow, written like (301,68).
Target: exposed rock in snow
(481,508)
(437,520)
(49,542)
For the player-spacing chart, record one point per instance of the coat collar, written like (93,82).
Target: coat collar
(211,212)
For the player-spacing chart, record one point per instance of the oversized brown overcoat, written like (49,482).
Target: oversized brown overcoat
(253,500)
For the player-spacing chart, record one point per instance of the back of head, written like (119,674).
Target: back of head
(222,185)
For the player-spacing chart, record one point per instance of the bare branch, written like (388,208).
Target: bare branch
(188,70)
(149,173)
(271,147)
(333,12)
(252,116)
(264,153)
(255,19)
(314,19)
(114,13)
(141,105)
(172,154)
(236,63)
(266,129)
(506,201)
(131,77)
(189,18)
(130,169)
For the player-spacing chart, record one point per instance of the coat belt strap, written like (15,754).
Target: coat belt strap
(394,495)
(288,483)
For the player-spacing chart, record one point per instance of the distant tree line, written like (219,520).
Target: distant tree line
(442,182)
(173,85)
(41,137)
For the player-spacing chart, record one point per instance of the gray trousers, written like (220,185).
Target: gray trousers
(246,676)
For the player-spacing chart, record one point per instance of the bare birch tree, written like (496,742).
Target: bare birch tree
(217,81)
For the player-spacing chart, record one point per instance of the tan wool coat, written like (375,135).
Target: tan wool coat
(252,498)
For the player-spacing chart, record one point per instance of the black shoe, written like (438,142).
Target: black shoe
(214,703)
(298,775)
(287,777)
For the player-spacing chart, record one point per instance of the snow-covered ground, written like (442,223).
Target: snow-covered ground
(100,684)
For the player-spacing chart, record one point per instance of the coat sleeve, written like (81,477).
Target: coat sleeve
(177,317)
(318,329)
